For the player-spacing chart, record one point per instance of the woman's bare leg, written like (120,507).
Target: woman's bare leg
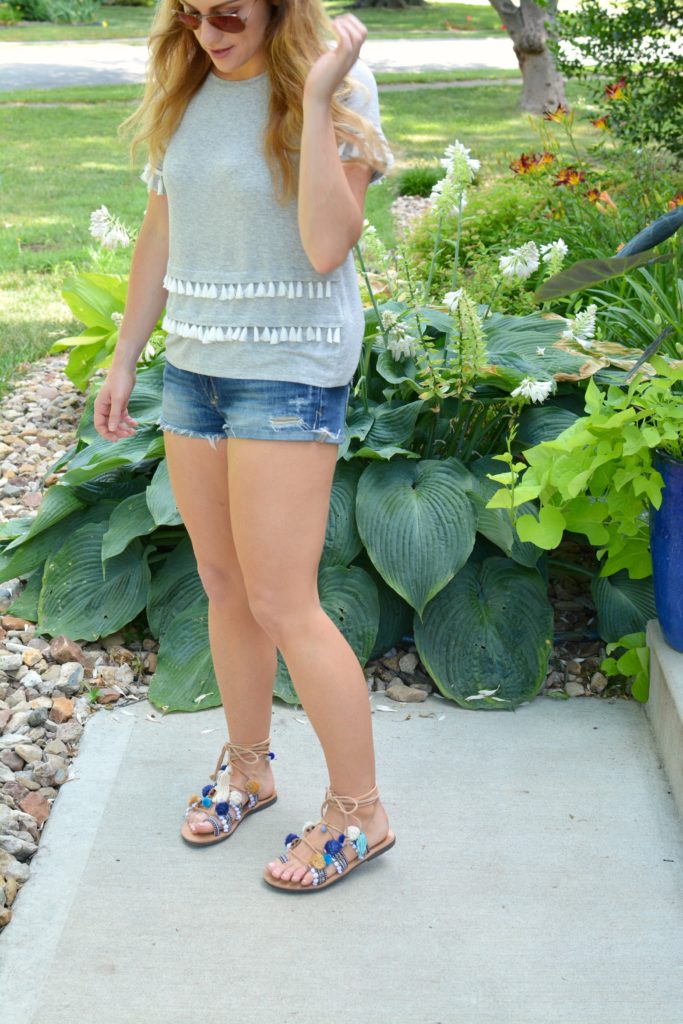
(279,506)
(244,656)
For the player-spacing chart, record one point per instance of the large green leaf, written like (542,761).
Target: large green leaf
(490,629)
(396,371)
(93,297)
(342,542)
(26,605)
(417,523)
(623,605)
(532,346)
(85,599)
(393,424)
(32,553)
(102,455)
(59,501)
(592,271)
(174,585)
(185,679)
(349,597)
(545,422)
(160,499)
(131,518)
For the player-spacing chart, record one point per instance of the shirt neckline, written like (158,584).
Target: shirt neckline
(237,81)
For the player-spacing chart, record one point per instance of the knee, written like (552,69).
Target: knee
(279,615)
(222,586)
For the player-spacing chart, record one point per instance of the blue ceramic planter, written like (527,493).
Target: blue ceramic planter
(666,544)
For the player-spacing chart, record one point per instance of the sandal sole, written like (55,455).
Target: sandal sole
(209,838)
(275,883)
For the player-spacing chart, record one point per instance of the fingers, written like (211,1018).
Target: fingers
(351,34)
(111,418)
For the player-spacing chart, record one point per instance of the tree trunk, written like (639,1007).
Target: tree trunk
(543,86)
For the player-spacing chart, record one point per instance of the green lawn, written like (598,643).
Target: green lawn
(437,19)
(59,163)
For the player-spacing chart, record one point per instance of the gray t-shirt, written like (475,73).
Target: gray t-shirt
(244,300)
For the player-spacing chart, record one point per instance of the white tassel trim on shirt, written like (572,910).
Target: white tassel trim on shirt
(250,290)
(272,335)
(153,179)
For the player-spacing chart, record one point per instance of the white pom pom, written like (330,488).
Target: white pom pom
(235,797)
(308,826)
(353,832)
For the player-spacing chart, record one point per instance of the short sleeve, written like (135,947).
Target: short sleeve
(154,178)
(365,101)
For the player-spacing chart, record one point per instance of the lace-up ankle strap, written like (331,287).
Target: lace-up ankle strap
(248,754)
(348,805)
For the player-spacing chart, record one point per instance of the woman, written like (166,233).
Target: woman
(262,146)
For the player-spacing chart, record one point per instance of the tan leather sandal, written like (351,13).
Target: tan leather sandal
(336,851)
(227,806)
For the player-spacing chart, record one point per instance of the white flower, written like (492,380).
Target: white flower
(558,247)
(459,163)
(389,319)
(534,390)
(117,318)
(520,262)
(451,299)
(109,231)
(540,351)
(582,328)
(117,235)
(553,256)
(449,196)
(399,342)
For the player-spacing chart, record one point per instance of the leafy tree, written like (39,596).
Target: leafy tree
(636,45)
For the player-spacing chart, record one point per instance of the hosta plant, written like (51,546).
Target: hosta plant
(411,547)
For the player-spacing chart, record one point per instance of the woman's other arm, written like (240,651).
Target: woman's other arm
(331,196)
(145,300)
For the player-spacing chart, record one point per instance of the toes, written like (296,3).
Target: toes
(307,879)
(299,874)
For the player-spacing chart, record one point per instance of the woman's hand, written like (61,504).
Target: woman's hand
(330,69)
(111,417)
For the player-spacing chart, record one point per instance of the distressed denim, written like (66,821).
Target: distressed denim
(204,406)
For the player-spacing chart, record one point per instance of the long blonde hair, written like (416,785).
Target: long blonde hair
(295,38)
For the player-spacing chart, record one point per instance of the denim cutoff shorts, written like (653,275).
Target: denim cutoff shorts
(200,405)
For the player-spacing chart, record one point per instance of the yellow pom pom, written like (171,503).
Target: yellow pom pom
(253,786)
(317,861)
(194,799)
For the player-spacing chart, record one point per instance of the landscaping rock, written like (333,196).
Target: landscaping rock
(37,806)
(64,650)
(406,694)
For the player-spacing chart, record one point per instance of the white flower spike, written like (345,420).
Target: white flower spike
(534,390)
(520,262)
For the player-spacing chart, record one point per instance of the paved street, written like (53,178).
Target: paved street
(49,65)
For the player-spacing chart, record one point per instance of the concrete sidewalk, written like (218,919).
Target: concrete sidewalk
(536,879)
(50,65)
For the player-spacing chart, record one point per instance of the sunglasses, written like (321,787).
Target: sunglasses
(224,22)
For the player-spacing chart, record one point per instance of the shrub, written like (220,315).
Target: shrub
(637,47)
(419,180)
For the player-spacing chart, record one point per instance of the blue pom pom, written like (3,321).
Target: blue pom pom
(328,859)
(332,846)
(290,838)
(223,767)
(271,755)
(206,802)
(341,839)
(222,808)
(207,789)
